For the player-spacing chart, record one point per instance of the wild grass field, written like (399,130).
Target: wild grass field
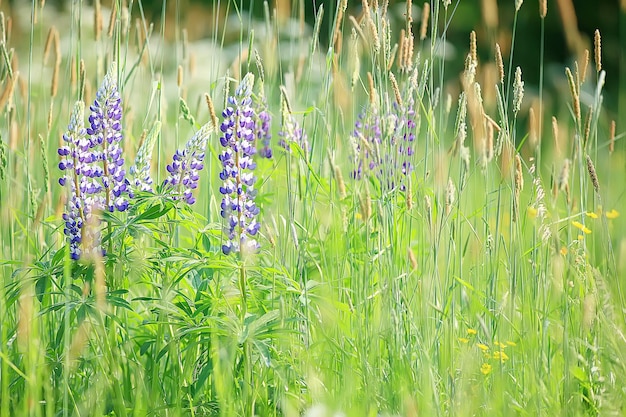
(256,222)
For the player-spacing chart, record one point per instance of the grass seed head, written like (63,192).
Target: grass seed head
(592,174)
(597,49)
(425,16)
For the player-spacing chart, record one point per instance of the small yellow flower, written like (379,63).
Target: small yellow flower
(592,215)
(471,332)
(485,369)
(510,343)
(580,237)
(500,355)
(581,227)
(463,340)
(358,216)
(500,345)
(532,212)
(482,347)
(613,214)
(563,251)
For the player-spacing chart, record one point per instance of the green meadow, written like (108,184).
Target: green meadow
(321,212)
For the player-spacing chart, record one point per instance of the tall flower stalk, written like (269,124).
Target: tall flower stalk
(93,166)
(238,207)
(184,171)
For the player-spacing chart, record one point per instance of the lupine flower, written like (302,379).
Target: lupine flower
(71,156)
(105,132)
(384,146)
(184,171)
(238,137)
(140,172)
(92,162)
(291,131)
(367,136)
(263,134)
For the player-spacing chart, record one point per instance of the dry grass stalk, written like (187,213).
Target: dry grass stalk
(341,185)
(583,74)
(57,64)
(366,205)
(489,143)
(473,52)
(9,89)
(3,28)
(401,48)
(97,19)
(73,72)
(612,137)
(555,135)
(592,174)
(428,208)
(450,195)
(570,24)
(518,186)
(543,8)
(573,88)
(81,79)
(499,63)
(179,76)
(369,21)
(372,89)
(412,259)
(48,45)
(490,13)
(209,103)
(587,130)
(338,22)
(396,89)
(49,125)
(425,16)
(358,28)
(112,19)
(563,180)
(597,49)
(533,128)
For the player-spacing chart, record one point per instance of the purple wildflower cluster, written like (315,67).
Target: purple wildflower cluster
(184,171)
(384,146)
(291,131)
(92,162)
(263,133)
(239,132)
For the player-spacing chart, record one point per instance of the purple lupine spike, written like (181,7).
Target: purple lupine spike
(71,164)
(292,132)
(105,131)
(263,133)
(184,171)
(238,208)
(367,136)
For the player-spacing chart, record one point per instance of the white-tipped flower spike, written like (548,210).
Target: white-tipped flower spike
(238,138)
(184,171)
(141,179)
(105,132)
(518,91)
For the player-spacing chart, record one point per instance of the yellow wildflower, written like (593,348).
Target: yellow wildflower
(471,332)
(563,251)
(463,340)
(485,369)
(532,212)
(592,215)
(500,345)
(482,347)
(508,342)
(581,227)
(500,355)
(612,214)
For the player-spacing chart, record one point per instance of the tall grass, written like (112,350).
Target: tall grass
(420,251)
